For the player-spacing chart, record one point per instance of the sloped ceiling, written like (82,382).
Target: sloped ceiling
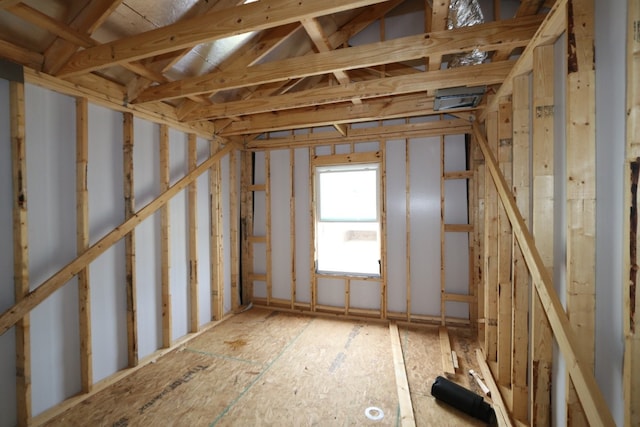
(251,67)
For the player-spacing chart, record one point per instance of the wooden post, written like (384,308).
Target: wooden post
(233,230)
(631,381)
(292,227)
(581,188)
(442,238)
(491,250)
(407,184)
(520,273)
(192,196)
(267,196)
(165,258)
(383,233)
(129,239)
(542,225)
(215,238)
(20,250)
(312,227)
(246,213)
(479,217)
(505,246)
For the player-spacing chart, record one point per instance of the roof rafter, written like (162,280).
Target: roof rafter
(228,22)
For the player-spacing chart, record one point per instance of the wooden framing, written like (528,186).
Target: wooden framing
(443,278)
(20,249)
(246,221)
(267,195)
(520,274)
(407,180)
(407,419)
(215,238)
(581,187)
(292,226)
(234,232)
(165,257)
(587,389)
(192,203)
(543,203)
(631,320)
(129,239)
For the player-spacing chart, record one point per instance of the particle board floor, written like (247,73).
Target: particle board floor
(263,368)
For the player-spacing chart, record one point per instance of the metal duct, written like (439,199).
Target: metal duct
(465,13)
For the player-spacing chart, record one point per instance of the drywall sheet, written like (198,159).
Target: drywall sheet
(178,237)
(302,225)
(364,294)
(259,214)
(226,240)
(396,226)
(455,201)
(202,237)
(424,174)
(456,271)
(280,192)
(364,147)
(454,153)
(146,173)
(55,347)
(107,272)
(7,297)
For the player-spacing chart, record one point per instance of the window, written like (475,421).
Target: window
(348,219)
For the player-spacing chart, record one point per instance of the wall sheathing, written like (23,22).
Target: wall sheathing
(50,120)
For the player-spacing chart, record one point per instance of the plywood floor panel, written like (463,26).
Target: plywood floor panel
(264,368)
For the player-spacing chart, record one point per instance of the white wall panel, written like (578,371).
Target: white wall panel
(331,292)
(107,272)
(146,172)
(455,201)
(425,225)
(204,231)
(363,147)
(7,296)
(178,237)
(456,262)
(454,153)
(50,147)
(280,224)
(396,226)
(365,294)
(302,225)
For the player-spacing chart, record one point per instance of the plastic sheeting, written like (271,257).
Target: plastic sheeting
(465,13)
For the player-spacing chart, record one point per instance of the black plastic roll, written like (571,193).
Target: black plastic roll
(462,399)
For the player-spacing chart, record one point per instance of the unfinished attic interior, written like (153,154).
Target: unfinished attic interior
(282,212)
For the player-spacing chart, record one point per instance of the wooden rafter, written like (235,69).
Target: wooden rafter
(507,33)
(228,22)
(439,14)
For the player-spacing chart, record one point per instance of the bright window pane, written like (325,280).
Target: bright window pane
(348,195)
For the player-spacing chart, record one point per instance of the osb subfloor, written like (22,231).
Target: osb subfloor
(263,368)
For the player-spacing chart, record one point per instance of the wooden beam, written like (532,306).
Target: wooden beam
(482,74)
(581,188)
(502,413)
(215,239)
(439,18)
(543,206)
(552,27)
(586,387)
(130,240)
(8,3)
(20,55)
(445,350)
(520,274)
(20,250)
(165,251)
(515,32)
(220,24)
(82,242)
(12,315)
(192,202)
(631,322)
(86,22)
(404,396)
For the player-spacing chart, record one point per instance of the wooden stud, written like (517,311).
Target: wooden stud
(581,187)
(192,201)
(292,226)
(407,186)
(129,239)
(631,368)
(234,213)
(520,274)
(165,258)
(442,237)
(505,247)
(589,394)
(246,209)
(20,250)
(404,397)
(543,202)
(215,238)
(312,227)
(12,315)
(382,231)
(479,229)
(491,251)
(267,196)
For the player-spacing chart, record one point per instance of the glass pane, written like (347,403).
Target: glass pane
(349,247)
(348,195)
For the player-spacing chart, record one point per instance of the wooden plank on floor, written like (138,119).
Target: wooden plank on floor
(445,350)
(502,414)
(404,396)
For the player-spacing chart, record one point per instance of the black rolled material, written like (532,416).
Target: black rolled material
(462,399)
